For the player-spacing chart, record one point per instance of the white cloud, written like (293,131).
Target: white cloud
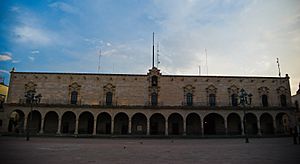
(5,56)
(35,51)
(31,58)
(26,34)
(64,7)
(4,71)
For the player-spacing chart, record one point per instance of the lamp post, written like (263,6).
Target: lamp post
(245,99)
(31,99)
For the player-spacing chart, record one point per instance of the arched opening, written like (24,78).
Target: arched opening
(283,100)
(16,121)
(214,124)
(234,100)
(264,100)
(109,97)
(282,123)
(74,96)
(266,124)
(68,123)
(86,123)
(175,124)
(51,122)
(157,124)
(121,123)
(189,99)
(251,124)
(104,123)
(139,124)
(154,99)
(193,124)
(34,121)
(234,124)
(212,100)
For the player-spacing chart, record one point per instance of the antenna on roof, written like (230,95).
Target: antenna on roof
(278,67)
(157,55)
(206,61)
(200,68)
(153,52)
(99,61)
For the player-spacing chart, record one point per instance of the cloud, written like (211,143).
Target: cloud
(5,56)
(4,71)
(35,51)
(64,7)
(26,34)
(31,58)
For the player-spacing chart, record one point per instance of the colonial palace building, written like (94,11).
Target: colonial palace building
(144,105)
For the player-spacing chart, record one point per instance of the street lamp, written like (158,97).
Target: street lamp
(245,99)
(31,99)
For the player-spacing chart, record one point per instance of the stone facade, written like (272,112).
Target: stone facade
(150,104)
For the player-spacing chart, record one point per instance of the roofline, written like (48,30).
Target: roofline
(144,75)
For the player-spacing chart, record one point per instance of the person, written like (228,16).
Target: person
(294,133)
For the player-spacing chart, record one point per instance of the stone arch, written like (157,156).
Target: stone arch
(157,124)
(68,122)
(103,123)
(266,124)
(214,124)
(16,121)
(251,124)
(86,123)
(121,122)
(139,124)
(34,119)
(175,124)
(51,122)
(234,124)
(193,124)
(282,123)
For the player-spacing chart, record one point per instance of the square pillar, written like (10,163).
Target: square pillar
(258,127)
(95,127)
(202,128)
(59,126)
(42,127)
(76,127)
(184,127)
(166,128)
(148,127)
(112,127)
(129,126)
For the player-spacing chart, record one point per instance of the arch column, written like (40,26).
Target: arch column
(76,126)
(258,127)
(274,126)
(225,125)
(129,126)
(243,125)
(166,128)
(25,124)
(148,127)
(202,128)
(112,126)
(95,126)
(184,126)
(59,126)
(42,126)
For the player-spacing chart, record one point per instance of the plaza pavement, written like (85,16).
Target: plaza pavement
(15,150)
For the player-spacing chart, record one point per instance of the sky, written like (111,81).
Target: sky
(240,37)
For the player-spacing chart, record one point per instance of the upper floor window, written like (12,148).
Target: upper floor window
(154,99)
(109,96)
(154,80)
(189,99)
(74,96)
(283,100)
(264,100)
(234,100)
(212,100)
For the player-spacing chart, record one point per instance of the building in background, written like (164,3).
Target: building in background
(296,101)
(148,104)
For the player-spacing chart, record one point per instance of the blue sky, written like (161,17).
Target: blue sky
(241,37)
